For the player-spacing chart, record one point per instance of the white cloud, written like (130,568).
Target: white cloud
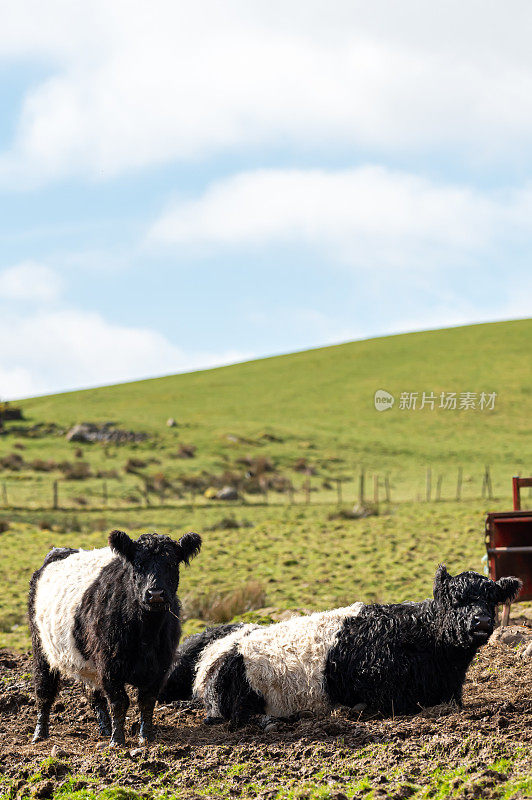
(29,281)
(139,83)
(370,216)
(66,349)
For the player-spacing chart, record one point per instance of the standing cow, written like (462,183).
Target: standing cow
(108,617)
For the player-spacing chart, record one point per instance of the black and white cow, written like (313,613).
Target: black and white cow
(181,679)
(108,617)
(394,658)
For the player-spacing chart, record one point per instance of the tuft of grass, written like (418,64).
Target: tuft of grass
(76,470)
(216,607)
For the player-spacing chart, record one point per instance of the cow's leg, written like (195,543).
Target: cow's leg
(118,704)
(46,682)
(236,699)
(99,706)
(146,700)
(210,702)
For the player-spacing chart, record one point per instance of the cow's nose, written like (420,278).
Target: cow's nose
(482,623)
(155,596)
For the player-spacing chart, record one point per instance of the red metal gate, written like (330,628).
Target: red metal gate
(509,543)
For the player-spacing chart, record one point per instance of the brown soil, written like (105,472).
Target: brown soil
(396,757)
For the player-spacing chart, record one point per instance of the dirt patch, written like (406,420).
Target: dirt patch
(484,750)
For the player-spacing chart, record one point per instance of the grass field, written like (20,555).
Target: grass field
(298,556)
(312,410)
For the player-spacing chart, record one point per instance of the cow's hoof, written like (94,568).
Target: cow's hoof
(40,735)
(117,743)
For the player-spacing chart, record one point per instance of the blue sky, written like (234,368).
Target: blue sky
(184,185)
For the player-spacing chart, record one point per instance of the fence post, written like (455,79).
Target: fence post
(438,488)
(489,487)
(428,488)
(4,495)
(339,491)
(376,489)
(263,486)
(361,488)
(307,487)
(387,487)
(459,484)
(55,496)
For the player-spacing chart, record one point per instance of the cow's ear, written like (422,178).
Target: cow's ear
(508,589)
(121,544)
(441,582)
(189,546)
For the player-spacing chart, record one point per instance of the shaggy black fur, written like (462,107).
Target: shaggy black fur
(45,680)
(181,679)
(395,658)
(237,701)
(127,625)
(399,658)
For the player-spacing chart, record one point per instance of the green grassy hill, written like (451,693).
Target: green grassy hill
(320,404)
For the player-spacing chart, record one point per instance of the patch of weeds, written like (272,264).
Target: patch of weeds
(308,791)
(73,791)
(228,523)
(216,607)
(236,769)
(257,617)
(452,783)
(50,768)
(522,785)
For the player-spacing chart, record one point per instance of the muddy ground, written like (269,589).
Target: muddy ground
(485,750)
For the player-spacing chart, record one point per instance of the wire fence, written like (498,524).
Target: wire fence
(367,488)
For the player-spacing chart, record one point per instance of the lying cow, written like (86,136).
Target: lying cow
(180,683)
(394,658)
(108,617)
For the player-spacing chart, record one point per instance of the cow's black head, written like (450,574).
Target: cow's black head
(154,561)
(467,604)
